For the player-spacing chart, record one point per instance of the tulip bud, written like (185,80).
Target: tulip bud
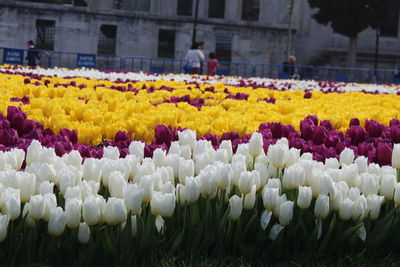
(332,163)
(255,144)
(50,203)
(115,211)
(181,194)
(396,156)
(147,183)
(387,186)
(293,177)
(66,178)
(25,214)
(223,177)
(304,198)
(192,190)
(275,230)
(4,219)
(250,199)
(235,207)
(346,209)
(137,148)
(133,197)
(57,222)
(186,169)
(73,212)
(83,233)
(208,183)
(245,182)
(162,204)
(321,209)
(159,157)
(362,163)
(36,207)
(374,203)
(73,158)
(335,199)
(12,203)
(33,151)
(286,212)
(346,157)
(26,184)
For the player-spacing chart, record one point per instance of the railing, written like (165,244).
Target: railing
(171,65)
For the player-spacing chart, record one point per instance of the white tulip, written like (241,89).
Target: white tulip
(66,178)
(186,152)
(186,169)
(360,208)
(110,152)
(396,156)
(304,197)
(292,156)
(326,184)
(396,197)
(343,188)
(174,149)
(73,192)
(279,200)
(286,212)
(46,188)
(8,178)
(346,157)
(4,220)
(275,230)
(208,182)
(276,154)
(374,168)
(73,158)
(306,156)
(46,155)
(192,190)
(263,171)
(92,169)
(235,207)
(221,155)
(91,210)
(147,183)
(335,199)
(354,193)
(159,157)
(202,161)
(293,177)
(117,184)
(362,163)
(274,183)
(133,197)
(136,148)
(57,222)
(237,168)
(349,174)
(26,184)
(83,233)
(181,194)
(346,209)
(332,163)
(387,186)
(245,182)
(73,212)
(33,151)
(12,203)
(256,144)
(321,209)
(227,145)
(187,137)
(115,211)
(168,188)
(374,203)
(173,162)
(250,199)
(25,214)
(36,207)
(270,196)
(223,176)
(163,204)
(201,147)
(370,184)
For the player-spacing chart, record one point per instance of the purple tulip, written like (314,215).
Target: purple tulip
(373,128)
(356,133)
(354,121)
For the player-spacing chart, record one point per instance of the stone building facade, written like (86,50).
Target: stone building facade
(254,31)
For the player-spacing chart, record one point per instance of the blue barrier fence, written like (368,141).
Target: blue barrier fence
(171,65)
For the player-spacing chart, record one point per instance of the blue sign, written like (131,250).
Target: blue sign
(86,61)
(13,56)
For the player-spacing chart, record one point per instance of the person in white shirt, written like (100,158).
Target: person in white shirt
(194,57)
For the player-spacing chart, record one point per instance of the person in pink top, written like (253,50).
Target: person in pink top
(212,64)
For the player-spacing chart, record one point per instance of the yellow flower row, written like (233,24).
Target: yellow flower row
(101,112)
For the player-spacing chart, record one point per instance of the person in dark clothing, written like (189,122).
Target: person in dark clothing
(32,54)
(289,67)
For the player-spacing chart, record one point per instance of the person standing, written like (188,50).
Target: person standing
(32,54)
(289,67)
(195,57)
(212,64)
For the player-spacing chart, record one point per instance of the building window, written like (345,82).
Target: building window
(166,44)
(107,39)
(45,30)
(223,46)
(250,10)
(216,9)
(390,26)
(50,1)
(185,7)
(142,5)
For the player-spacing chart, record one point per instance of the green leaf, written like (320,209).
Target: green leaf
(178,241)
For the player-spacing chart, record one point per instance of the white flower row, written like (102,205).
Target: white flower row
(235,81)
(192,168)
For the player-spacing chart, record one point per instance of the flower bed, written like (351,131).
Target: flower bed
(112,168)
